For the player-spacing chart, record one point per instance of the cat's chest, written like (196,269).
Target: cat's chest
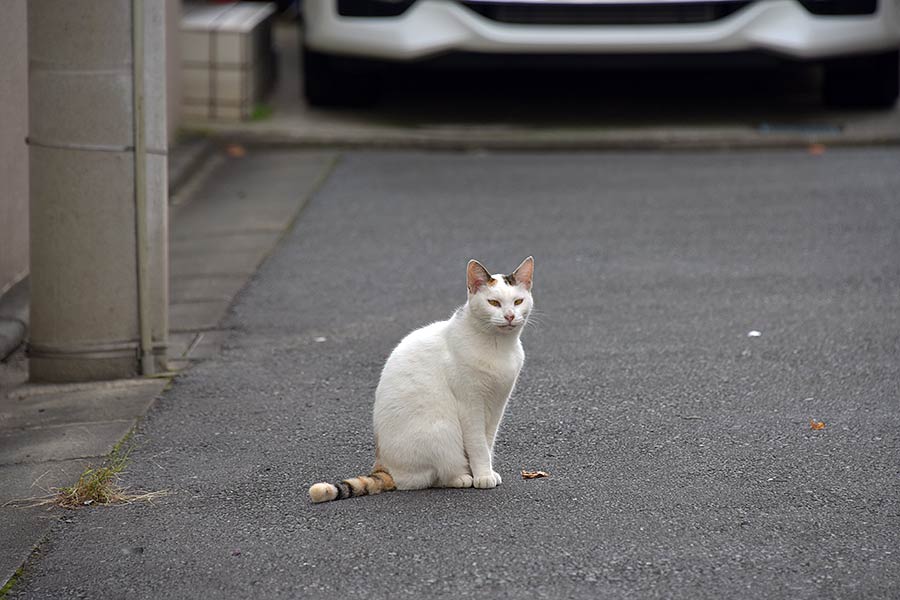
(494,369)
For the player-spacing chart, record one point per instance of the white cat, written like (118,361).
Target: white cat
(443,391)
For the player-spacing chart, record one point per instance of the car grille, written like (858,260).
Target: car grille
(586,13)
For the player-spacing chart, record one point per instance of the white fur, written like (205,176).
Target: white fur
(322,492)
(444,388)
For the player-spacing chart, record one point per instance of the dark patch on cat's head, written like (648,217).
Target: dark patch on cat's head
(510,279)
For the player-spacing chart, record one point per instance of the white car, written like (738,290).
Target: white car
(856,41)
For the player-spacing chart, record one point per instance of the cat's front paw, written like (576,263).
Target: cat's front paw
(485,482)
(497,477)
(461,481)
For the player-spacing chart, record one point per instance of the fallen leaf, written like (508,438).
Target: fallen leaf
(813,424)
(817,149)
(534,474)
(235,150)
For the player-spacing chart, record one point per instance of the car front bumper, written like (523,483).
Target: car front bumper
(433,27)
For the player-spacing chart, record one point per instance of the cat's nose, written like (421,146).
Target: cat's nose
(509,317)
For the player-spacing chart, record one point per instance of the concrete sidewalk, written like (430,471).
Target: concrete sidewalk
(471,110)
(223,224)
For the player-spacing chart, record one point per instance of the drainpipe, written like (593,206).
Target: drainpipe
(140,182)
(97,148)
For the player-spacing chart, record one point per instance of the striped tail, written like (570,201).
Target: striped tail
(375,483)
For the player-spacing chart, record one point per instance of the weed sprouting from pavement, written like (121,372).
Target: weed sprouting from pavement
(98,486)
(12,582)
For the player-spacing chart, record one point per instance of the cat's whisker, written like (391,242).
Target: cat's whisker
(535,319)
(535,325)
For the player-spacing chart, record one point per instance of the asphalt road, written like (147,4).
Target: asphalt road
(681,456)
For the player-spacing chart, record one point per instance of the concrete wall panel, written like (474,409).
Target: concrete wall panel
(98,36)
(83,209)
(81,108)
(13,150)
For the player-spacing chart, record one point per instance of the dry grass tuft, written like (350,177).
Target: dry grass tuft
(97,486)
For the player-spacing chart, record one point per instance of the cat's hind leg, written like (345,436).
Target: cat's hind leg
(414,481)
(451,462)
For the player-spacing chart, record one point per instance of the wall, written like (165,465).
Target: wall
(13,151)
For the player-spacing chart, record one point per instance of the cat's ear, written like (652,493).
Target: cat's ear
(476,276)
(525,272)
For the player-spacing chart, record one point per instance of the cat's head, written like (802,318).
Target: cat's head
(500,303)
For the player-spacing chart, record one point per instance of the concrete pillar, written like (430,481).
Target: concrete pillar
(99,297)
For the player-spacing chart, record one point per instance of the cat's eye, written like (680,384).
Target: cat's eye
(519,301)
(494,303)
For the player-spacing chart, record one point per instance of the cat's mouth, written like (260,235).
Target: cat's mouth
(507,327)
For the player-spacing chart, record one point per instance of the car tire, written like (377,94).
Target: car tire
(865,81)
(331,80)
